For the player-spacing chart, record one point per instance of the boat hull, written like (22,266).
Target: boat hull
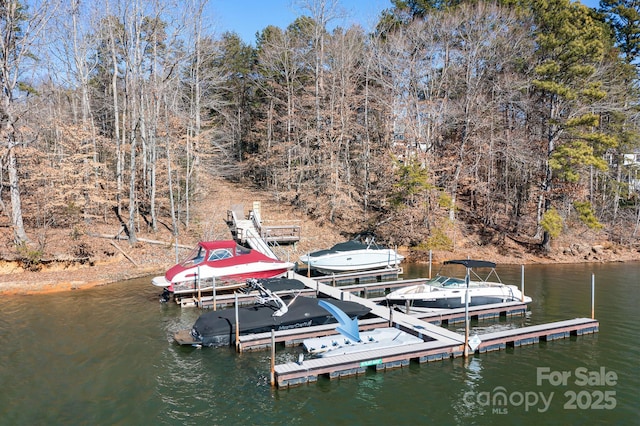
(452,302)
(434,298)
(360,260)
(224,277)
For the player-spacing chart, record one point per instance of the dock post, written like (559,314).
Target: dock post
(430,259)
(238,325)
(214,294)
(466,316)
(522,282)
(199,292)
(593,288)
(273,357)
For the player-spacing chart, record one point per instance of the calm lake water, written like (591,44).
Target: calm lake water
(105,356)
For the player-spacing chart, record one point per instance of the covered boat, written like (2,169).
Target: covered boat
(270,312)
(352,256)
(448,292)
(222,263)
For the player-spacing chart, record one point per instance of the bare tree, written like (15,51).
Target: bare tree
(20,33)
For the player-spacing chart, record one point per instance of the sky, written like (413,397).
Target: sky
(247,17)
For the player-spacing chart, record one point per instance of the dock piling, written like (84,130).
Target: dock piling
(273,358)
(593,290)
(214,294)
(522,282)
(199,292)
(467,278)
(237,325)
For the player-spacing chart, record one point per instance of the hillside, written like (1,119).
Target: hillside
(73,259)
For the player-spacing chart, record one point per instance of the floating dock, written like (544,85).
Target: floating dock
(261,341)
(207,295)
(376,275)
(224,297)
(439,343)
(307,371)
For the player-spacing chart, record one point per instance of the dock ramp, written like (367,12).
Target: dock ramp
(257,243)
(251,228)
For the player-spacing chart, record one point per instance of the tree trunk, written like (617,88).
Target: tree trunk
(16,203)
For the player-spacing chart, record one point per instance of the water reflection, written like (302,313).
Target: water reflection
(465,408)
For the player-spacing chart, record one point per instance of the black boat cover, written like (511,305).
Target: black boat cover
(340,247)
(219,326)
(281,284)
(470,263)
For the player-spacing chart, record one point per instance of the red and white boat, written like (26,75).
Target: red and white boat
(218,264)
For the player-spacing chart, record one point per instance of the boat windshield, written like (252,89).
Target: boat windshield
(219,254)
(453,282)
(242,250)
(195,257)
(444,281)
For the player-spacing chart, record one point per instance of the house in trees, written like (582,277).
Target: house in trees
(631,168)
(631,163)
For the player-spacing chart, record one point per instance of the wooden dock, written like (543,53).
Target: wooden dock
(360,277)
(225,297)
(307,371)
(244,229)
(439,343)
(262,341)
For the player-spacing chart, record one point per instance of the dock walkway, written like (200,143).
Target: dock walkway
(251,230)
(261,341)
(408,322)
(297,373)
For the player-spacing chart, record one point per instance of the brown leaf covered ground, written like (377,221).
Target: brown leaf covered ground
(112,260)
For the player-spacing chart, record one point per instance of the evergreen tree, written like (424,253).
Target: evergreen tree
(624,18)
(571,46)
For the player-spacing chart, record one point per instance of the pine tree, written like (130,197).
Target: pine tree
(571,45)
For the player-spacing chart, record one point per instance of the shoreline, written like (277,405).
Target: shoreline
(47,282)
(84,277)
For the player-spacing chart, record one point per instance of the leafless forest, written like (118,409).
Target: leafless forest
(510,120)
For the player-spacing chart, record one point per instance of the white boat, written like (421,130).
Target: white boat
(339,344)
(352,256)
(447,292)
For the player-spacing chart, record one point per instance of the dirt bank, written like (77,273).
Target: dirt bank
(155,260)
(81,257)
